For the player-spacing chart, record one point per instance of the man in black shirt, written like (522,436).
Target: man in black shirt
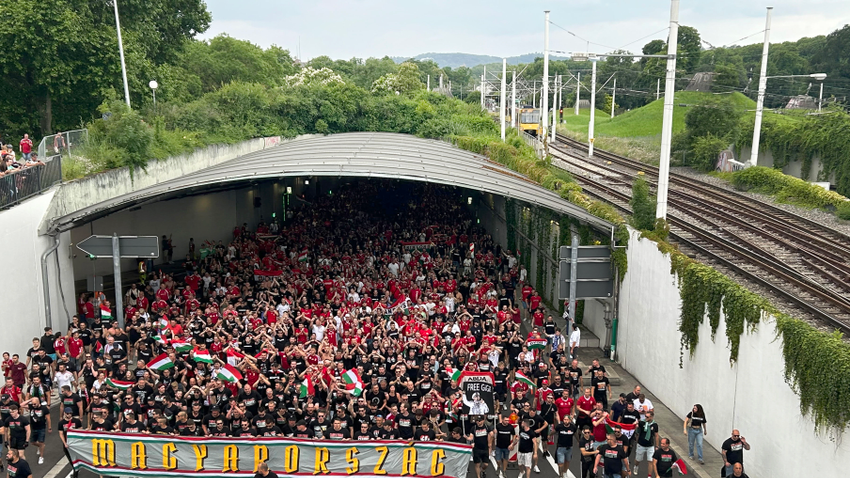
(564,433)
(68,422)
(527,450)
(647,441)
(601,388)
(264,472)
(481,437)
(505,440)
(39,426)
(337,432)
(588,452)
(664,458)
(17,429)
(17,466)
(613,458)
(425,433)
(733,451)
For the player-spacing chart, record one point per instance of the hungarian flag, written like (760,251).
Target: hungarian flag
(307,388)
(160,362)
(105,313)
(229,373)
(522,378)
(681,467)
(163,323)
(352,382)
(302,257)
(536,344)
(98,346)
(233,356)
(120,385)
(181,345)
(158,339)
(610,424)
(202,356)
(454,374)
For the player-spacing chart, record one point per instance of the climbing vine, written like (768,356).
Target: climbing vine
(510,219)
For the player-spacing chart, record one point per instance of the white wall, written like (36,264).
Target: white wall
(751,395)
(794,168)
(22,313)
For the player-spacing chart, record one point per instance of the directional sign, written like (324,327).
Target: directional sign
(130,246)
(588,289)
(593,272)
(586,270)
(586,252)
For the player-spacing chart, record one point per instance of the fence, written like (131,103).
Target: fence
(18,185)
(65,142)
(535,143)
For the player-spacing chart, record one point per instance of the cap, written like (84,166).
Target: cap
(5,397)
(545,382)
(67,409)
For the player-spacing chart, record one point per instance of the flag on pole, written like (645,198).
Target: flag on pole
(229,373)
(302,257)
(163,323)
(181,345)
(160,362)
(536,344)
(610,424)
(202,356)
(681,467)
(105,313)
(454,374)
(120,385)
(522,378)
(307,388)
(353,383)
(472,247)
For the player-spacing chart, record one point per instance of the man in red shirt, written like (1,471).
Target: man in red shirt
(26,147)
(584,407)
(565,405)
(19,371)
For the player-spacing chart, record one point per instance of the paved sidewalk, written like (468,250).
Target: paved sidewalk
(669,423)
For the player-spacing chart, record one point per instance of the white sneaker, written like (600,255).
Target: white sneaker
(520,475)
(41,460)
(501,474)
(636,471)
(536,469)
(38,452)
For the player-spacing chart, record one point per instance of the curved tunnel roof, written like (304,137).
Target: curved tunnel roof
(370,155)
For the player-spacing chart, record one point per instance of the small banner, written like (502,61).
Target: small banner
(125,454)
(412,246)
(478,398)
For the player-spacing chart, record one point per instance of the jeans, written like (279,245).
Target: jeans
(695,436)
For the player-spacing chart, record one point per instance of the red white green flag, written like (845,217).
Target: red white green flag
(105,313)
(118,384)
(681,467)
(610,424)
(307,388)
(353,383)
(522,378)
(302,257)
(229,373)
(181,345)
(202,356)
(160,362)
(536,344)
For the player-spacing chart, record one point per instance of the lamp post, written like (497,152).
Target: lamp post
(754,155)
(121,54)
(154,85)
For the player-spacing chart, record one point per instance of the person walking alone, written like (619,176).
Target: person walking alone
(695,429)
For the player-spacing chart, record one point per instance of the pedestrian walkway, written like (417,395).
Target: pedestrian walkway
(669,423)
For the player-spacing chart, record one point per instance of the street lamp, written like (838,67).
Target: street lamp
(154,85)
(754,155)
(121,54)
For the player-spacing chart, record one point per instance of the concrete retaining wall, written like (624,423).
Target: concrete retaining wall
(751,395)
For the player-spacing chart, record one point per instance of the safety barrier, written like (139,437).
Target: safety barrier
(15,186)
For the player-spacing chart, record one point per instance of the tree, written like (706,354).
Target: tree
(224,59)
(689,48)
(832,58)
(643,205)
(718,118)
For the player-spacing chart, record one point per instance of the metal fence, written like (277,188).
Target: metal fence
(18,185)
(535,143)
(65,143)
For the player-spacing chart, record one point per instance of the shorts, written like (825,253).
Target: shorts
(480,456)
(503,454)
(644,453)
(563,455)
(18,444)
(524,459)
(37,435)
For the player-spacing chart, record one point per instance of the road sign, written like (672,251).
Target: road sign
(584,272)
(585,252)
(588,289)
(130,247)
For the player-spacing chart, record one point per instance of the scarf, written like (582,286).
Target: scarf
(647,430)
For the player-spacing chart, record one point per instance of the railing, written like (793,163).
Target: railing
(15,186)
(535,143)
(65,142)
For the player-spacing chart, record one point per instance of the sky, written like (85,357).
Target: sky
(343,29)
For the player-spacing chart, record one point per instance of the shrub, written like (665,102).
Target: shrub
(643,205)
(843,210)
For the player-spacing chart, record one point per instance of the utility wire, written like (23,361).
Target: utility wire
(580,38)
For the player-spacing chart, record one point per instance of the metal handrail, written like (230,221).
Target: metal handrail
(17,185)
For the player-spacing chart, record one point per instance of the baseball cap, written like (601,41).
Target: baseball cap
(69,410)
(5,397)
(545,382)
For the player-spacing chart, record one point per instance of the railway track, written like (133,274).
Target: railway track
(801,263)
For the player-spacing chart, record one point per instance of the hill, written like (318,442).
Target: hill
(455,60)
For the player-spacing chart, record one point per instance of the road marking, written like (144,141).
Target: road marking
(57,468)
(551,460)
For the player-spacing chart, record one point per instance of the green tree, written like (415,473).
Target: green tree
(643,205)
(224,59)
(832,58)
(689,49)
(705,150)
(718,118)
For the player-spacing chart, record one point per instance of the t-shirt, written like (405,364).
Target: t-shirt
(665,461)
(641,432)
(612,458)
(695,420)
(17,427)
(586,443)
(19,469)
(734,451)
(72,424)
(38,417)
(341,434)
(423,435)
(526,440)
(504,435)
(480,437)
(270,475)
(565,434)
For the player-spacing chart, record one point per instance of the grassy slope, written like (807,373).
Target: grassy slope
(646,121)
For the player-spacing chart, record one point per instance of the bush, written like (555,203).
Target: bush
(705,150)
(843,210)
(643,205)
(788,188)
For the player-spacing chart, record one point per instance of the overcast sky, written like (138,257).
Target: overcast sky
(364,28)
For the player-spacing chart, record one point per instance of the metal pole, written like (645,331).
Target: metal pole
(578,91)
(754,154)
(667,121)
(658,88)
(121,54)
(534,95)
(820,97)
(441,82)
(428,84)
(544,98)
(513,100)
(116,269)
(482,92)
(590,125)
(502,96)
(613,97)
(554,109)
(573,276)
(560,96)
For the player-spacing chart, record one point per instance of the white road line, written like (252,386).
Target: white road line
(57,468)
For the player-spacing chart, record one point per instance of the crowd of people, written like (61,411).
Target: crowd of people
(15,169)
(396,283)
